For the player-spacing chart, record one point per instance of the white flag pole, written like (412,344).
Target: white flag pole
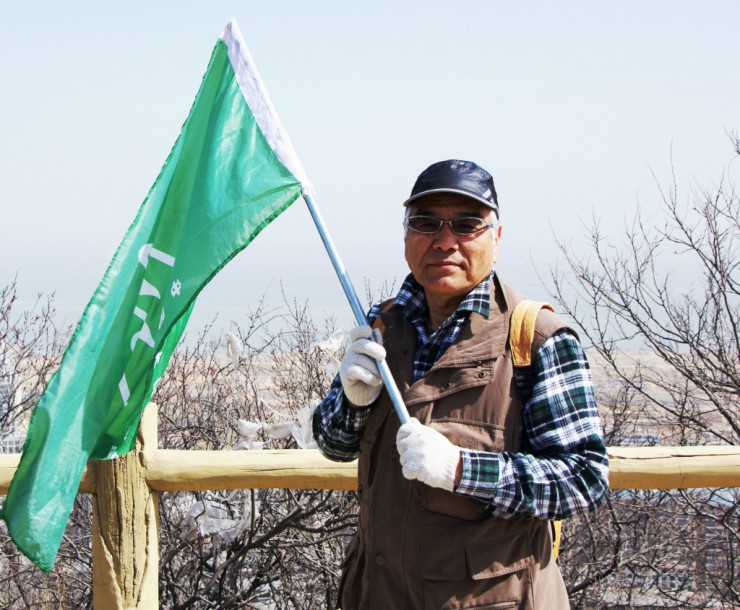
(349,291)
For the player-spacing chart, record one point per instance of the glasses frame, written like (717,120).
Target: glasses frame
(442,223)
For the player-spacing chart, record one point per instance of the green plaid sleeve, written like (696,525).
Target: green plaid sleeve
(562,468)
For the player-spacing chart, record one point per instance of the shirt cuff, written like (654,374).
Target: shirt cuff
(353,413)
(480,474)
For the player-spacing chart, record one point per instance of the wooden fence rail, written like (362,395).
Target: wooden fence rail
(126,494)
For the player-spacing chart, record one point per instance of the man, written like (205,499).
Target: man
(454,504)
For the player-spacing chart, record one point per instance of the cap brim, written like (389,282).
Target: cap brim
(485,202)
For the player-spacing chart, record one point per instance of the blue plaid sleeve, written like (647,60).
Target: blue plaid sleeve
(562,468)
(338,428)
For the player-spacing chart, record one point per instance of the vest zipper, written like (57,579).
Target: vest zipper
(462,365)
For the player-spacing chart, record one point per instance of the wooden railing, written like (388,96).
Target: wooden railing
(126,501)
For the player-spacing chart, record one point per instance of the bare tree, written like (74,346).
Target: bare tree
(660,314)
(31,346)
(240,549)
(272,548)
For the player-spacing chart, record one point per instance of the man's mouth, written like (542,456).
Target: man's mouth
(445,265)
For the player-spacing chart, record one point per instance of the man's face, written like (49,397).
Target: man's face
(448,265)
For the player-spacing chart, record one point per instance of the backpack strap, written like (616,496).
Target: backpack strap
(521,336)
(384,307)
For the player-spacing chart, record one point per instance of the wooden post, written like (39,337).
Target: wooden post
(125,530)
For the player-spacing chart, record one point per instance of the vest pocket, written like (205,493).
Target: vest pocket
(479,575)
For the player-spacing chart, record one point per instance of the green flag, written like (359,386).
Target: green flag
(230,173)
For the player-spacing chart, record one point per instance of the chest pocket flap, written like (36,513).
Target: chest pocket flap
(490,561)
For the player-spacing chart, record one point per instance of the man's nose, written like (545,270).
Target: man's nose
(445,238)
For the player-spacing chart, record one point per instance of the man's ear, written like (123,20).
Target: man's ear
(496,239)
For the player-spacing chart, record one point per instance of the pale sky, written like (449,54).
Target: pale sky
(572,106)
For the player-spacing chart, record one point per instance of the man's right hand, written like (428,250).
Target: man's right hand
(359,372)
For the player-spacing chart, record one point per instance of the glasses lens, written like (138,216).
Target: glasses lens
(468,226)
(424,224)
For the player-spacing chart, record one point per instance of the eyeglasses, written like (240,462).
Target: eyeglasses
(460,226)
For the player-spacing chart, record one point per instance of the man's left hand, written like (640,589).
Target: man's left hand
(427,455)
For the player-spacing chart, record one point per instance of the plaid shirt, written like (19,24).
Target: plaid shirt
(562,468)
(430,347)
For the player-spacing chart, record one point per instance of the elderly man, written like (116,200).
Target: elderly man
(455,504)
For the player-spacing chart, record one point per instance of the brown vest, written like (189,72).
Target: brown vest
(419,547)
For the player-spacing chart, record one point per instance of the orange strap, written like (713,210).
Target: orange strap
(378,322)
(521,333)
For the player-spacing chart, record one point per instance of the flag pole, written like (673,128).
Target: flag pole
(349,291)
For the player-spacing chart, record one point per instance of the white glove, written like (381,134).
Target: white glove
(359,371)
(427,455)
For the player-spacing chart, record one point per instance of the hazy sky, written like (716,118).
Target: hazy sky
(570,105)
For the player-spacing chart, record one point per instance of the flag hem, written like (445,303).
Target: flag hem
(260,104)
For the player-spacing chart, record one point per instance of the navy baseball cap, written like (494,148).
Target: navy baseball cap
(456,176)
